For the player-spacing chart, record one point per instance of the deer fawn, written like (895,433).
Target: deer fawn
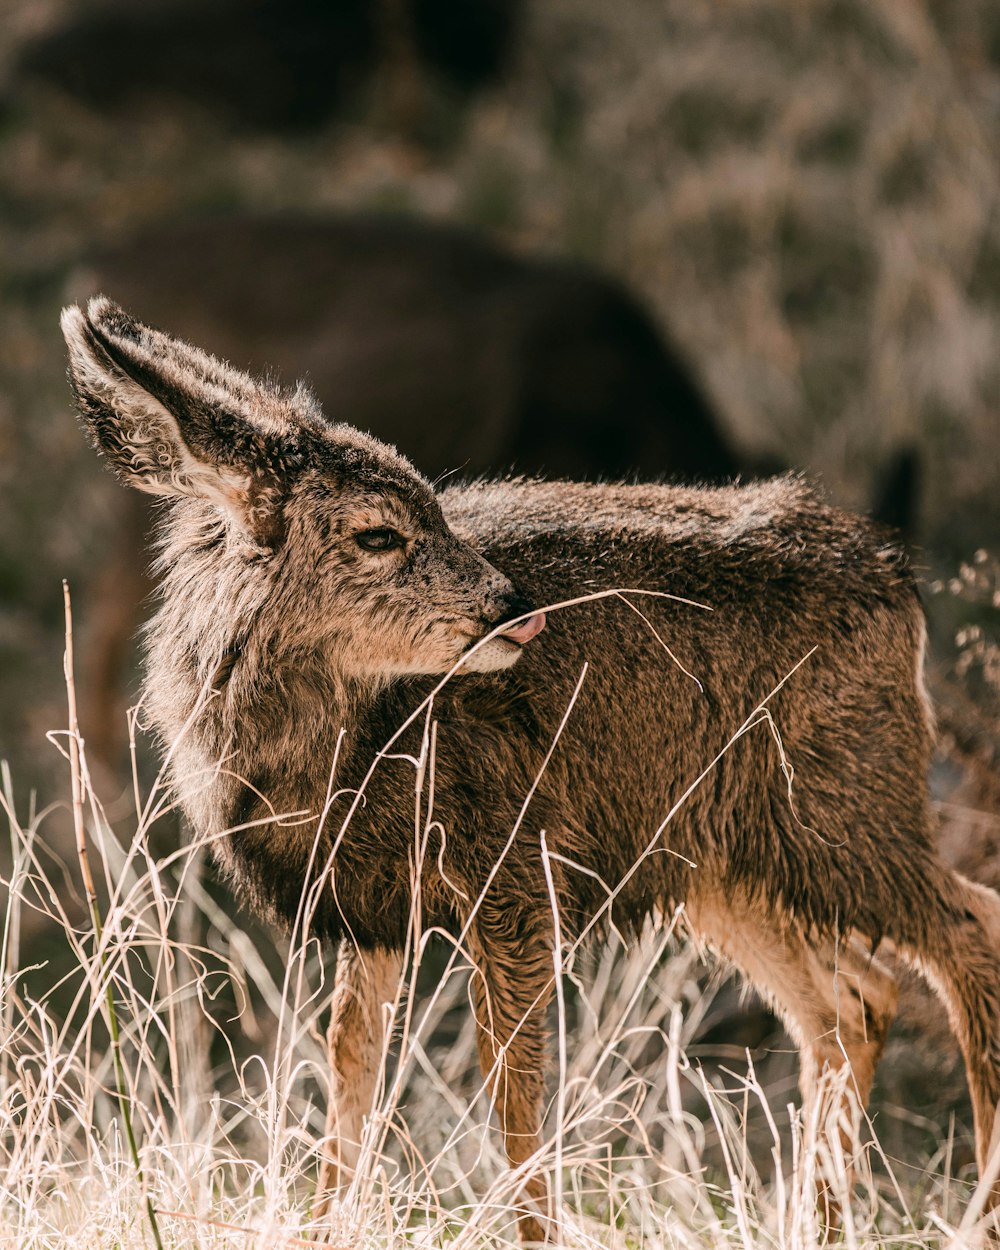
(315,583)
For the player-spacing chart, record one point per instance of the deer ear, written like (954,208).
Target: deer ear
(174,421)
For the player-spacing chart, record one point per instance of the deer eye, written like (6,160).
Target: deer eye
(380,539)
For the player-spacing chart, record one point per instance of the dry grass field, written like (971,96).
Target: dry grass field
(168,1088)
(808,196)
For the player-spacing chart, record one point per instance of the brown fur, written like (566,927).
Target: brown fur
(807,843)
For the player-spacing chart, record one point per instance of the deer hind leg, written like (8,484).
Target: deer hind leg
(364,982)
(959,953)
(512,986)
(835,998)
(855,996)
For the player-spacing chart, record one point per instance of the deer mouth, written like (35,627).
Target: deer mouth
(524,631)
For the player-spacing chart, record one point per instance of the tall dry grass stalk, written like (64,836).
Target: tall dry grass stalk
(198,1124)
(83,856)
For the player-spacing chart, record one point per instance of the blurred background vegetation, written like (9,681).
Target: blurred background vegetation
(801,198)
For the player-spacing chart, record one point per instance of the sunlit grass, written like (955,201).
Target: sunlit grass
(222,1073)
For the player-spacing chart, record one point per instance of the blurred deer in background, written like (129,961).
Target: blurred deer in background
(762,763)
(467,358)
(289,66)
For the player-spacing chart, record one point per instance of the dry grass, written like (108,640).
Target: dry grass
(173,1024)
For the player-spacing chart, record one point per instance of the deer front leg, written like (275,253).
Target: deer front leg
(512,986)
(364,982)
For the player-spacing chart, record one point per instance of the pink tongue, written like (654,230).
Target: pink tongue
(527,629)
